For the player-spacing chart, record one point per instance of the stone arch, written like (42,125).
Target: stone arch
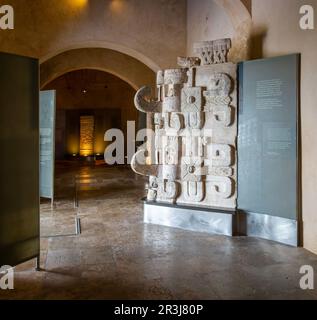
(121,65)
(241,20)
(105,45)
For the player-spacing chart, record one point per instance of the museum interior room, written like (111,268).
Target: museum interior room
(158,149)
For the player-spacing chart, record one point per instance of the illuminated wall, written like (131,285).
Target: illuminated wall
(87,133)
(68,139)
(90,93)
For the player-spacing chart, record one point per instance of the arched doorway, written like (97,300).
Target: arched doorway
(105,98)
(94,82)
(132,71)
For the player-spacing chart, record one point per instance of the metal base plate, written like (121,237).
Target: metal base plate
(269,227)
(224,222)
(216,221)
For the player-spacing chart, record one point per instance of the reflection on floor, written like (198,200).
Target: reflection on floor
(118,257)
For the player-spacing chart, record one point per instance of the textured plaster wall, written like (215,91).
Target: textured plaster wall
(276,23)
(152,31)
(215,19)
(206,21)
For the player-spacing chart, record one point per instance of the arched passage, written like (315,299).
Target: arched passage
(106,46)
(121,65)
(88,92)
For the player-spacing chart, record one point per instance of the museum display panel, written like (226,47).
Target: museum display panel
(19,143)
(47,143)
(268,144)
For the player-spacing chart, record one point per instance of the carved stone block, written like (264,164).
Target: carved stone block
(194,120)
(194,191)
(173,121)
(221,155)
(170,150)
(191,169)
(175,76)
(213,52)
(192,99)
(167,191)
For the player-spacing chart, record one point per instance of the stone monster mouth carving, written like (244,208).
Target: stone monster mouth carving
(195,125)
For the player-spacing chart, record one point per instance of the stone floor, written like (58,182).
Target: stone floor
(118,257)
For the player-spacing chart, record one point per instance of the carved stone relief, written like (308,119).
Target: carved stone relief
(195,120)
(213,52)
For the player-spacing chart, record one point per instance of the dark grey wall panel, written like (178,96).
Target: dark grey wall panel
(19,167)
(268,137)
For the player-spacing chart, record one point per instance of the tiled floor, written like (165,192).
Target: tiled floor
(117,256)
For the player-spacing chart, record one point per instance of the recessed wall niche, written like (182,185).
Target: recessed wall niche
(104,119)
(87,134)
